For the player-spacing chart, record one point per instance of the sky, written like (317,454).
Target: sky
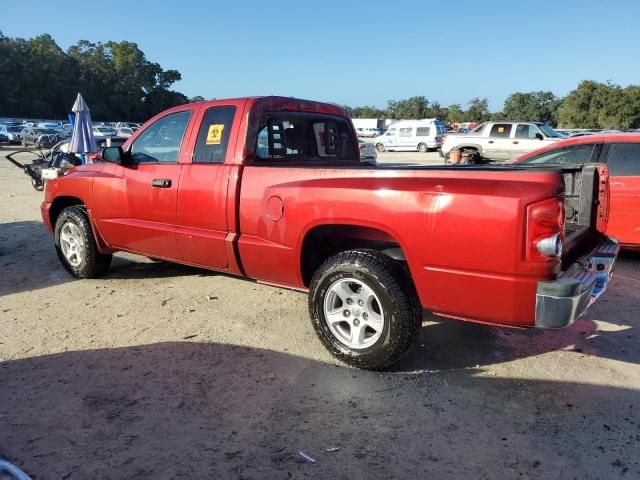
(358,52)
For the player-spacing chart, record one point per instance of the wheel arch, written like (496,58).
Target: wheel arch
(325,240)
(62,202)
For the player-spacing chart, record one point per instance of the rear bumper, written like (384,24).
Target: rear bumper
(561,302)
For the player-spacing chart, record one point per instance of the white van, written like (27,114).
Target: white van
(412,135)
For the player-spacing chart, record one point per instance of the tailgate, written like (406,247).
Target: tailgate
(586,203)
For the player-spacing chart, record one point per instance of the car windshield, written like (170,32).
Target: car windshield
(548,131)
(45,131)
(14,129)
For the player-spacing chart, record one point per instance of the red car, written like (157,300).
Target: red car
(621,153)
(273,189)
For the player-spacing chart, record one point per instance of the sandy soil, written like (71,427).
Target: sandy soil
(161,371)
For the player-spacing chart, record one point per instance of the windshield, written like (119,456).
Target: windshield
(14,129)
(45,131)
(548,131)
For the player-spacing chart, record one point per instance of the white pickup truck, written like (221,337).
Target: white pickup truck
(501,141)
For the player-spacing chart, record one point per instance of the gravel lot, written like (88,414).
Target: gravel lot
(161,371)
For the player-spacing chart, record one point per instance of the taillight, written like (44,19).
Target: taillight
(443,138)
(545,230)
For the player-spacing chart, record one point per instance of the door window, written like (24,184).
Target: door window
(624,159)
(574,154)
(526,131)
(423,131)
(405,132)
(213,137)
(161,141)
(501,130)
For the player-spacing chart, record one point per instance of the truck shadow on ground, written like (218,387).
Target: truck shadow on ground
(29,261)
(192,410)
(610,329)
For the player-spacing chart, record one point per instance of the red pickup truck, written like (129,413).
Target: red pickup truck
(273,189)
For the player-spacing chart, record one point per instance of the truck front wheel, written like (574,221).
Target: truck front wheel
(364,309)
(76,246)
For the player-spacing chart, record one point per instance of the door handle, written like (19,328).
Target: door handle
(490,141)
(161,182)
(515,142)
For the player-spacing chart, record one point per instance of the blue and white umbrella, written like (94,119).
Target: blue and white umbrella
(82,140)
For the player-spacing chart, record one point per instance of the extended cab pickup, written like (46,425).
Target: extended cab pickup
(501,141)
(273,189)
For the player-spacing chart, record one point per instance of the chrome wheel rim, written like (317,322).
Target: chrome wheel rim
(71,244)
(353,313)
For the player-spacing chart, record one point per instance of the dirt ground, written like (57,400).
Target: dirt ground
(160,371)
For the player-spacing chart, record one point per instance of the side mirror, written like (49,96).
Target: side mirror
(114,155)
(539,136)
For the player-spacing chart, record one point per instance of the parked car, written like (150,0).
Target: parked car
(502,140)
(132,125)
(39,137)
(367,132)
(621,153)
(412,135)
(4,135)
(367,150)
(272,188)
(125,132)
(101,131)
(13,133)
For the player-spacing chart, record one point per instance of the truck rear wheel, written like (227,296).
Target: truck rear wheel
(422,148)
(364,309)
(76,246)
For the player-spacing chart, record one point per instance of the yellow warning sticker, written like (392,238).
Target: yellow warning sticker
(500,130)
(214,135)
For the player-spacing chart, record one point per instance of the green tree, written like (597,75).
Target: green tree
(455,114)
(601,105)
(478,110)
(437,111)
(368,112)
(40,80)
(533,106)
(410,108)
(196,99)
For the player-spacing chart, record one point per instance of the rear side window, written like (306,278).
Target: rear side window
(303,137)
(624,159)
(574,154)
(423,131)
(405,132)
(213,137)
(501,130)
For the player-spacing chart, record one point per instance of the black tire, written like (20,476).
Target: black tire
(380,147)
(390,283)
(93,264)
(422,148)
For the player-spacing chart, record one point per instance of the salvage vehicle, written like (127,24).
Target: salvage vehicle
(502,140)
(39,137)
(273,189)
(412,135)
(621,153)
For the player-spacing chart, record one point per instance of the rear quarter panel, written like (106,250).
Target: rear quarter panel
(462,232)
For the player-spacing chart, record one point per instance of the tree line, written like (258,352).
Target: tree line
(590,105)
(40,80)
